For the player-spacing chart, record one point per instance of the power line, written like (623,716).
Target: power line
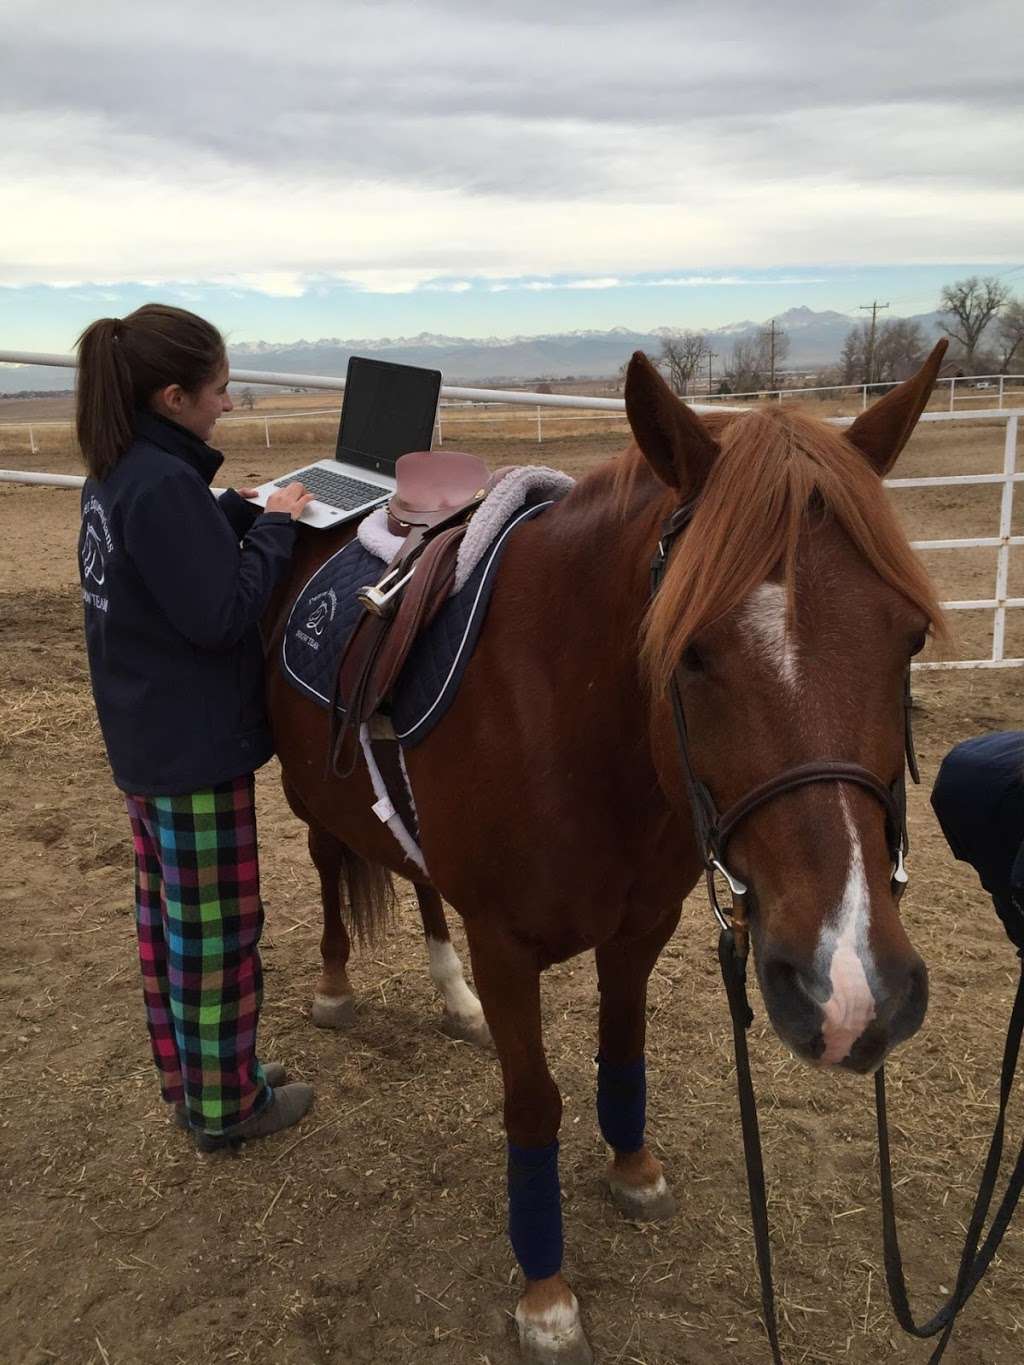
(918,300)
(712,355)
(869,359)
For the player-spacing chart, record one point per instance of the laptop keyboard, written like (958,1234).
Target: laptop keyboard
(336,490)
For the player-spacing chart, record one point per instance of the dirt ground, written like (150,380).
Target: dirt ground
(375,1231)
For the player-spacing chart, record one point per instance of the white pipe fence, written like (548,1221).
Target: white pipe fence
(999,603)
(999,384)
(268,420)
(320,381)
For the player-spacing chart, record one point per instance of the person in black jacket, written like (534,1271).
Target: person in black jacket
(979,800)
(174,582)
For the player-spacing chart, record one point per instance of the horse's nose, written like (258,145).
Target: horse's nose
(848,1016)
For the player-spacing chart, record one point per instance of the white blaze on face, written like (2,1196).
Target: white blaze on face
(845,957)
(764,617)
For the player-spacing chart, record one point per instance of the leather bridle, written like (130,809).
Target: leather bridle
(713,830)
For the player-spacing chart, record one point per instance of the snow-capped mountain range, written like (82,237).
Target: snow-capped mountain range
(815,340)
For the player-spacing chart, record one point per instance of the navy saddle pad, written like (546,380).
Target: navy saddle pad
(326,611)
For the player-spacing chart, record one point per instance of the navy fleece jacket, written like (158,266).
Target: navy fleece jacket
(172,606)
(979,799)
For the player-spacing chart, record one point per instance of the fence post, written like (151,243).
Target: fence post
(863,397)
(1005,530)
(266,428)
(440,433)
(952,392)
(540,434)
(32,441)
(1001,379)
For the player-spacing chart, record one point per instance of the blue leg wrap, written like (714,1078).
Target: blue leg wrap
(535,1209)
(622,1103)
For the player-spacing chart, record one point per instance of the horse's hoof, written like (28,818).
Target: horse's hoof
(579,1353)
(334,1011)
(644,1203)
(554,1338)
(468,1028)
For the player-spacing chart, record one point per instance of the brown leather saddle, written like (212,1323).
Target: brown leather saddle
(436,496)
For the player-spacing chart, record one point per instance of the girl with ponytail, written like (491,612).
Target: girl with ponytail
(174,582)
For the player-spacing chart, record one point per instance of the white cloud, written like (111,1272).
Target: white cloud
(449,286)
(592,141)
(279,284)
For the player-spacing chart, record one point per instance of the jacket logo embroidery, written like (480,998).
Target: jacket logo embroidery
(96,544)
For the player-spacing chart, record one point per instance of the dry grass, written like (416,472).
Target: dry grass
(50,719)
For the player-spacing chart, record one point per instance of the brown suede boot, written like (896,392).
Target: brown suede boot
(273,1073)
(287,1106)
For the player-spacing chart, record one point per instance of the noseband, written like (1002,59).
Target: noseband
(713,829)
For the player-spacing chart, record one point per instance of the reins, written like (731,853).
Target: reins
(713,831)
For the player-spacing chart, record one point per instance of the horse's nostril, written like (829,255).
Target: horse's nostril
(793,1002)
(784,979)
(909,1006)
(815,987)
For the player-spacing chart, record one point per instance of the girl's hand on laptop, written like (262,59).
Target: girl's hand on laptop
(292,498)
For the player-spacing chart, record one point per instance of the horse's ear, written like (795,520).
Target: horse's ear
(675,442)
(882,432)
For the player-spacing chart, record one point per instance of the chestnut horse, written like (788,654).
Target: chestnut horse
(551,802)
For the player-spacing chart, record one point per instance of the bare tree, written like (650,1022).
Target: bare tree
(853,357)
(899,349)
(681,355)
(745,371)
(247,399)
(754,358)
(1011,333)
(971,304)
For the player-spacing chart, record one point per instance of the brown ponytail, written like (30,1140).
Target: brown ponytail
(122,362)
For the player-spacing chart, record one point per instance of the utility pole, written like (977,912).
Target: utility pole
(869,360)
(771,345)
(712,355)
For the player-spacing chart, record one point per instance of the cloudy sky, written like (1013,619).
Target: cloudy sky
(380,168)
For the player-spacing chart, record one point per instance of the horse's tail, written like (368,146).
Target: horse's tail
(368,896)
(366,893)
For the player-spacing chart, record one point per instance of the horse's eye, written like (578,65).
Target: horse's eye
(918,642)
(692,662)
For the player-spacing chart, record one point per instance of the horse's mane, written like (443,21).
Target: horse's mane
(776,469)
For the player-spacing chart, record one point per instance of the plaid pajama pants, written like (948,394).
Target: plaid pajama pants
(199,919)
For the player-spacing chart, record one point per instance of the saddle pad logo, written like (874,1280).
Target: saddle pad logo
(321,610)
(323,613)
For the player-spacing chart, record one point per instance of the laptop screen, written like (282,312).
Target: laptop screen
(388,410)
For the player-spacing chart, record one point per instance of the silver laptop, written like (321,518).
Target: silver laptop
(387,411)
